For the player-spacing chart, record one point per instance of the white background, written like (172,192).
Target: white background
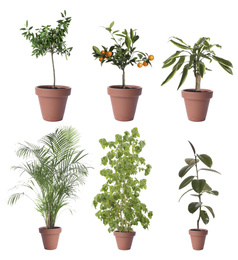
(160,118)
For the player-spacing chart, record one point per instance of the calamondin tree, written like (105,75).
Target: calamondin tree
(194,58)
(198,186)
(120,206)
(123,52)
(49,40)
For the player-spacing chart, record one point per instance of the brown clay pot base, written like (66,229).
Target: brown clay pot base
(50,237)
(198,237)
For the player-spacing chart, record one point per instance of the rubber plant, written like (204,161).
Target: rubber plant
(199,187)
(55,170)
(50,40)
(121,54)
(194,58)
(120,206)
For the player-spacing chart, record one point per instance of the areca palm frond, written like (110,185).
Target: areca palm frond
(55,170)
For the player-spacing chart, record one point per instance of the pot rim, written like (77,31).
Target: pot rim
(50,230)
(198,232)
(129,86)
(122,234)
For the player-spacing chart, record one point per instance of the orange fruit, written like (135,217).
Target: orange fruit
(139,65)
(108,53)
(151,57)
(100,59)
(145,63)
(102,52)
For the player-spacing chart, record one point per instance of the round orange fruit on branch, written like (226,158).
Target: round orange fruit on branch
(102,52)
(151,57)
(100,59)
(108,53)
(139,65)
(145,63)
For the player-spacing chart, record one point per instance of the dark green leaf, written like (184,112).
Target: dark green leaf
(201,68)
(192,148)
(169,77)
(180,45)
(184,76)
(128,41)
(207,188)
(227,69)
(186,181)
(169,63)
(214,192)
(185,193)
(176,54)
(180,62)
(223,61)
(184,170)
(207,160)
(211,210)
(198,185)
(207,169)
(192,207)
(205,217)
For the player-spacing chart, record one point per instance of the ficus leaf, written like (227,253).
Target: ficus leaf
(204,217)
(210,170)
(191,161)
(206,159)
(210,209)
(192,207)
(184,170)
(198,185)
(186,181)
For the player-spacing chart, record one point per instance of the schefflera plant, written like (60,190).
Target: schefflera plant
(198,185)
(120,206)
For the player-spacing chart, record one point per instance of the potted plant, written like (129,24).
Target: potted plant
(120,206)
(45,40)
(199,187)
(55,174)
(123,97)
(196,100)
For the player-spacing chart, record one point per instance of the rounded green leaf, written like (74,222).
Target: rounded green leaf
(205,217)
(207,160)
(192,207)
(191,161)
(211,210)
(198,185)
(184,170)
(185,182)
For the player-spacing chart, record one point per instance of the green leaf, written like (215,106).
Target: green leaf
(198,185)
(192,147)
(205,217)
(227,69)
(186,181)
(211,210)
(181,46)
(96,50)
(222,61)
(176,54)
(185,193)
(191,161)
(169,63)
(201,68)
(184,76)
(128,41)
(169,77)
(210,170)
(184,170)
(207,188)
(214,192)
(179,40)
(111,24)
(207,160)
(180,62)
(192,207)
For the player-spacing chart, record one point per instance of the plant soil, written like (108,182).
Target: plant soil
(49,87)
(121,87)
(193,90)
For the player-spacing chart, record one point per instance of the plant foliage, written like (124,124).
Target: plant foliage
(123,52)
(120,206)
(55,172)
(49,40)
(199,186)
(193,58)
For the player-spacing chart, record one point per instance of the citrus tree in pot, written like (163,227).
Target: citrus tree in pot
(55,173)
(45,40)
(199,187)
(120,206)
(124,97)
(196,100)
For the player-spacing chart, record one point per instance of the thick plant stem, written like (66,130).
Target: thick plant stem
(123,78)
(52,59)
(198,81)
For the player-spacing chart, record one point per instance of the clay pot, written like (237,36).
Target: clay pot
(50,237)
(52,101)
(124,239)
(197,103)
(198,237)
(124,101)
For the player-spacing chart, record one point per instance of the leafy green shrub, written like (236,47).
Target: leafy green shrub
(47,39)
(193,58)
(120,207)
(199,186)
(123,52)
(55,172)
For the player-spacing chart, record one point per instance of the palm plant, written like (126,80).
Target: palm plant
(55,171)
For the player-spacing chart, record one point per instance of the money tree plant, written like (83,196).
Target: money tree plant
(199,186)
(123,52)
(49,40)
(194,58)
(120,206)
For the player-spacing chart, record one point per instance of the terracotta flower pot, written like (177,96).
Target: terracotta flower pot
(52,101)
(50,237)
(124,239)
(198,238)
(124,101)
(197,103)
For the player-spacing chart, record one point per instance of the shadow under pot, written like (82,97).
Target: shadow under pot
(124,101)
(196,103)
(124,239)
(198,237)
(50,237)
(52,101)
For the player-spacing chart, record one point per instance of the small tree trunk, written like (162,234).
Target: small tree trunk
(198,81)
(123,78)
(52,59)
